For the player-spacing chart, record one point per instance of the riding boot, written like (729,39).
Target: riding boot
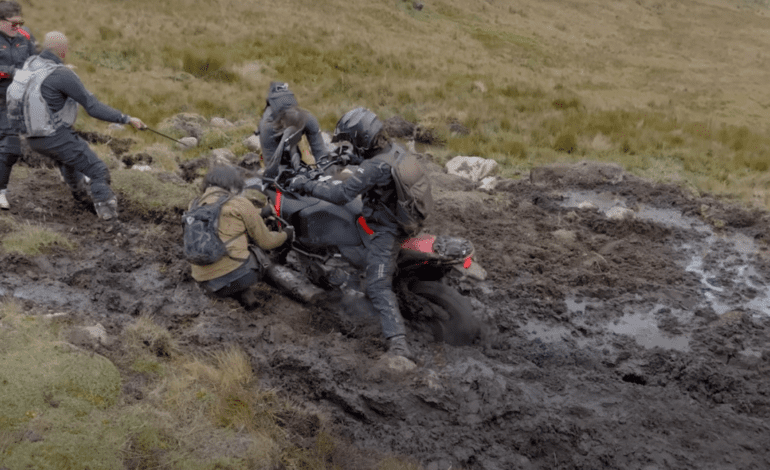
(294,283)
(107,210)
(397,347)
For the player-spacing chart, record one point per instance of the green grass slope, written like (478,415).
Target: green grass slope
(670,89)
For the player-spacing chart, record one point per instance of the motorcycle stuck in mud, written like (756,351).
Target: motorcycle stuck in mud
(330,245)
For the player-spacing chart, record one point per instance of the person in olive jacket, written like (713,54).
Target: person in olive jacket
(240,223)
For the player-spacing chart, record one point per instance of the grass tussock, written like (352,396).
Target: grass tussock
(219,387)
(31,240)
(149,194)
(150,346)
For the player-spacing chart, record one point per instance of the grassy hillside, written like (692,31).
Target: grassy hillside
(670,89)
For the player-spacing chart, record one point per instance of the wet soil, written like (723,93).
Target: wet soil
(637,341)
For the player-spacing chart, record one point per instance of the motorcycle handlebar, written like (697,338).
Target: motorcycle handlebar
(342,155)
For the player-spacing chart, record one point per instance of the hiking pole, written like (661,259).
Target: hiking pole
(164,135)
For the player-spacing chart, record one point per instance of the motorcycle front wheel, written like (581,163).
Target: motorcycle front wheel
(453,322)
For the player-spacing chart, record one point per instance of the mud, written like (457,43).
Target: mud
(634,343)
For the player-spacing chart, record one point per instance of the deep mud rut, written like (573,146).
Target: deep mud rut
(637,343)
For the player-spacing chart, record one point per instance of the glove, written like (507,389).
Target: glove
(8,71)
(137,123)
(267,211)
(297,184)
(289,230)
(346,154)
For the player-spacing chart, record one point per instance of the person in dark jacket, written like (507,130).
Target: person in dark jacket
(282,126)
(374,182)
(16,45)
(60,89)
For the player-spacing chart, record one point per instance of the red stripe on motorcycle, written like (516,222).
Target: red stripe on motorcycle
(278,197)
(422,244)
(362,223)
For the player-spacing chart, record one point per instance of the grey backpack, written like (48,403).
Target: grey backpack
(415,199)
(28,112)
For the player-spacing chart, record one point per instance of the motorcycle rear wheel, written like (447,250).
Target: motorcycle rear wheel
(455,323)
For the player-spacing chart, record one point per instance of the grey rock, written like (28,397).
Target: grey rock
(489,183)
(223,155)
(221,123)
(472,168)
(252,143)
(187,143)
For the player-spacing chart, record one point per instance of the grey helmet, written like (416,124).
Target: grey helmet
(279,97)
(359,127)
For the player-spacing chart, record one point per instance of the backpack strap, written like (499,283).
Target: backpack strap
(389,158)
(226,196)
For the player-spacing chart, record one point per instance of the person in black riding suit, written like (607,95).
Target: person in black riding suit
(282,126)
(372,180)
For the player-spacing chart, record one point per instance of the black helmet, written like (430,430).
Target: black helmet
(359,127)
(279,97)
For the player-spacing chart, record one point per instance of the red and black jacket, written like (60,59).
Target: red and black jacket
(14,51)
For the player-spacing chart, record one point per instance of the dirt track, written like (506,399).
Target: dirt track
(638,343)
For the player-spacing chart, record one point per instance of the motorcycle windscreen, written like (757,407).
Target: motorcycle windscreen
(327,224)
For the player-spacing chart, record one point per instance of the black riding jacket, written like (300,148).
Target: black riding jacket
(64,83)
(373,181)
(270,135)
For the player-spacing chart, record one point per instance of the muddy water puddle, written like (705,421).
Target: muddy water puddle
(636,322)
(643,327)
(723,264)
(542,332)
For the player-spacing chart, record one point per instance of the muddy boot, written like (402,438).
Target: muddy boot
(295,284)
(4,201)
(107,210)
(397,347)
